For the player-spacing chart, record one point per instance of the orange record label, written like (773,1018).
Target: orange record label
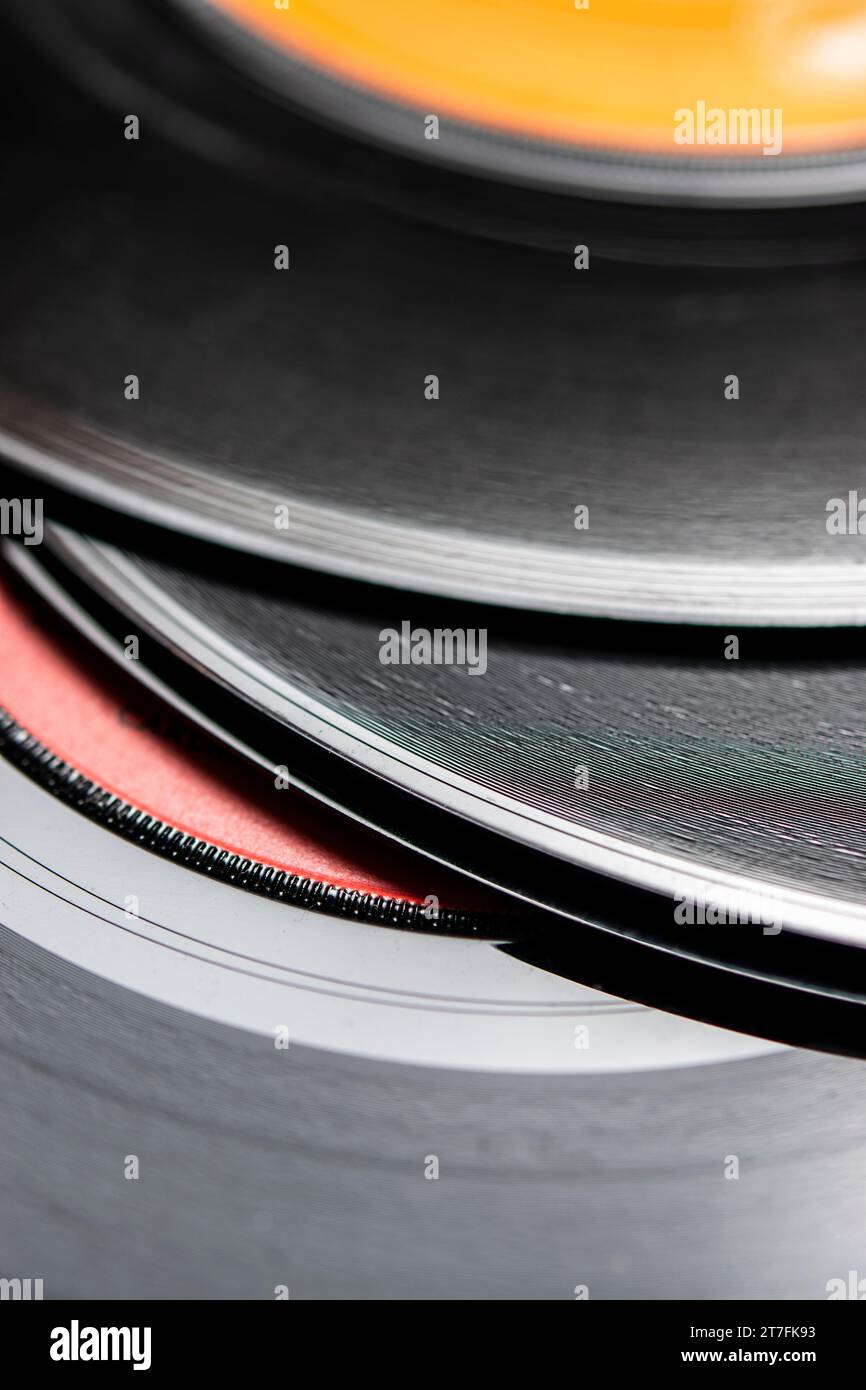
(677,77)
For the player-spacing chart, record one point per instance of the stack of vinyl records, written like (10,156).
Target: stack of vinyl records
(433,694)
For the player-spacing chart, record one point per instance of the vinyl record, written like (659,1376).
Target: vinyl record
(428,410)
(287,1083)
(681,774)
(153,1039)
(146,1033)
(261,1171)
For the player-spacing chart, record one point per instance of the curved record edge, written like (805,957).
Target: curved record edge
(110,572)
(356,545)
(255,964)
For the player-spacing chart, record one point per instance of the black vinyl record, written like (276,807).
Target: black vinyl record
(539,1107)
(418,407)
(719,859)
(702,759)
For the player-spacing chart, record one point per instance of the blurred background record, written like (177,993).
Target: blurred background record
(572,97)
(540,427)
(578,96)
